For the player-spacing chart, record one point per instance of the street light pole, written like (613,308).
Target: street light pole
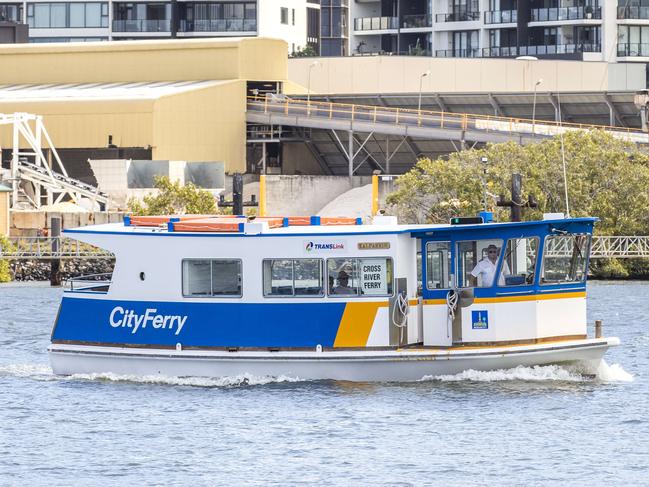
(421,80)
(540,80)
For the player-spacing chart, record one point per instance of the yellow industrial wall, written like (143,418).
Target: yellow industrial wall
(207,124)
(88,123)
(4,212)
(167,60)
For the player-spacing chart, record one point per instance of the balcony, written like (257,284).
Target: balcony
(546,50)
(467,53)
(218,25)
(501,17)
(508,51)
(633,12)
(462,16)
(376,23)
(632,50)
(565,13)
(553,49)
(417,21)
(141,25)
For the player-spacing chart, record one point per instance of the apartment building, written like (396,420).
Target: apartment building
(596,30)
(295,21)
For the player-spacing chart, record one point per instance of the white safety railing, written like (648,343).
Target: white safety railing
(622,247)
(91,283)
(51,248)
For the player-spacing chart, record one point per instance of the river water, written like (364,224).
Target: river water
(525,426)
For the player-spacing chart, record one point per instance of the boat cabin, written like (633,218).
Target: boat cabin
(280,283)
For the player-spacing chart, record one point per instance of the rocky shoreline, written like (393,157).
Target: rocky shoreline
(39,270)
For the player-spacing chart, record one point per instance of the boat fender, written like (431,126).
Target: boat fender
(179,347)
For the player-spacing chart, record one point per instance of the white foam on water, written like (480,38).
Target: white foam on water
(613,373)
(44,372)
(566,373)
(32,371)
(520,373)
(228,381)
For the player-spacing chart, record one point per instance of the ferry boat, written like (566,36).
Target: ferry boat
(328,298)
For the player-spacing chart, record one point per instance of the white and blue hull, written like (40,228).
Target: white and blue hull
(397,365)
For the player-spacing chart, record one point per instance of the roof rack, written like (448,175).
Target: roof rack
(232,223)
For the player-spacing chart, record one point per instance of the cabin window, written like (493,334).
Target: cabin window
(477,262)
(565,258)
(438,265)
(370,276)
(211,278)
(293,277)
(519,261)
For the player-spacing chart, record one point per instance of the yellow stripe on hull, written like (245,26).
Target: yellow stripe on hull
(356,323)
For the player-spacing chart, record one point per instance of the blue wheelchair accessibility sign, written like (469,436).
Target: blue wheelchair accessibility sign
(479,320)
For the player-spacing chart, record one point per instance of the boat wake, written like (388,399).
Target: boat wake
(602,372)
(43,372)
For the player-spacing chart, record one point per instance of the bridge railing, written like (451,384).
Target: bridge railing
(51,248)
(423,118)
(620,247)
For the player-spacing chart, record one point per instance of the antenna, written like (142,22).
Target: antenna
(563,155)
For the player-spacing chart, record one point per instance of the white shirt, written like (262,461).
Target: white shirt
(486,270)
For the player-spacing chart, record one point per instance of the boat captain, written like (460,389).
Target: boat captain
(485,270)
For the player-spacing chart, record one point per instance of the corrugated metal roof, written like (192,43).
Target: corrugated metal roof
(99,91)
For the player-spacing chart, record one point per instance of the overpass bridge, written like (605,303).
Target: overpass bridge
(362,134)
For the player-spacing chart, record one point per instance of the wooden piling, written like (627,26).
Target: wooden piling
(55,263)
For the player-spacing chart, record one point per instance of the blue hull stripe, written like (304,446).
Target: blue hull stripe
(199,324)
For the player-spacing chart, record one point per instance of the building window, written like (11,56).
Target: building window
(65,15)
(293,16)
(293,277)
(370,276)
(211,278)
(565,258)
(284,15)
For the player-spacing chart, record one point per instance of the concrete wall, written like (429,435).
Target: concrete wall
(400,74)
(306,195)
(28,223)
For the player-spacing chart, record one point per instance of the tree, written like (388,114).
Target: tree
(306,51)
(5,269)
(174,199)
(607,178)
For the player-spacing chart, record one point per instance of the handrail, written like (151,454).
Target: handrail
(90,282)
(51,248)
(360,112)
